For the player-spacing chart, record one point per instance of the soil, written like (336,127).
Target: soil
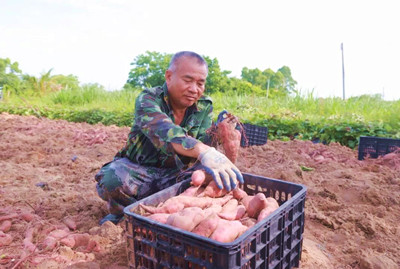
(49,207)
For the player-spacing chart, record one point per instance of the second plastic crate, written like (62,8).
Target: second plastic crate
(253,135)
(275,242)
(376,146)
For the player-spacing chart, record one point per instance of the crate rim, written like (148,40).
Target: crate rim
(244,236)
(378,137)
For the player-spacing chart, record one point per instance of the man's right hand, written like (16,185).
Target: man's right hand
(223,171)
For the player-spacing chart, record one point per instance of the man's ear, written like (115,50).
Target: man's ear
(168,75)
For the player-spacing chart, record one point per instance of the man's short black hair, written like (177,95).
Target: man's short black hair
(190,54)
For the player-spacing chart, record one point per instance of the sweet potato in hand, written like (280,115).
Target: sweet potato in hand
(212,190)
(199,178)
(229,137)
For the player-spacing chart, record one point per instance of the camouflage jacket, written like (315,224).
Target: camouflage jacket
(149,141)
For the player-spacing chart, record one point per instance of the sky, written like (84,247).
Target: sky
(97,40)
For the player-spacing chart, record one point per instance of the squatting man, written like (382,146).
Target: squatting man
(169,140)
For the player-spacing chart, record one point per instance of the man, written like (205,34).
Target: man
(166,140)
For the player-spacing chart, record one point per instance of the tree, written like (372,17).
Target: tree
(290,83)
(149,69)
(69,82)
(278,83)
(217,79)
(10,75)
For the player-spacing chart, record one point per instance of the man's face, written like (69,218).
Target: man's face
(186,83)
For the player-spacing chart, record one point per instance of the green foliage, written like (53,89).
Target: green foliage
(278,83)
(149,69)
(14,81)
(79,96)
(291,117)
(10,76)
(217,79)
(287,116)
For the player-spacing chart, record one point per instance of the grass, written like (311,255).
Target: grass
(304,117)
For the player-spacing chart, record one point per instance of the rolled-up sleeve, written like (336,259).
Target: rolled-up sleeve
(158,127)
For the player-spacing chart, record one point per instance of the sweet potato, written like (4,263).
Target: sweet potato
(272,205)
(207,226)
(76,240)
(256,204)
(5,226)
(191,191)
(177,203)
(198,177)
(186,219)
(28,244)
(232,211)
(27,216)
(249,222)
(5,239)
(58,234)
(227,231)
(8,217)
(165,208)
(229,137)
(160,217)
(213,191)
(239,194)
(212,209)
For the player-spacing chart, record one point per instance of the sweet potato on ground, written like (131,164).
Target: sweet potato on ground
(5,226)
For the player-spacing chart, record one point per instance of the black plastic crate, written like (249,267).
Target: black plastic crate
(376,146)
(253,135)
(276,242)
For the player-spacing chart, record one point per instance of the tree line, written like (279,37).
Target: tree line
(147,71)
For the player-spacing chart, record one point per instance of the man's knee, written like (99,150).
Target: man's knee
(107,181)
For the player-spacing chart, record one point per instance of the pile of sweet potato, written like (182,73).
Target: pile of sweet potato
(208,211)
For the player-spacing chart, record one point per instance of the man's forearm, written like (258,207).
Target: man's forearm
(194,152)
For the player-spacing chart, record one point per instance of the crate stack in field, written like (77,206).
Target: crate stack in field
(253,135)
(376,146)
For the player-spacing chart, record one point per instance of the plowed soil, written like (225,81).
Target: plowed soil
(49,208)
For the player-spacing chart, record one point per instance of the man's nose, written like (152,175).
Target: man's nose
(193,87)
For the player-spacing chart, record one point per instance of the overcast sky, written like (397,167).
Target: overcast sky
(97,40)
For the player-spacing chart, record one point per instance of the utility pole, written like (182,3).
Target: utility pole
(344,96)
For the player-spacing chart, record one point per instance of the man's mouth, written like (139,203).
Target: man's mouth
(191,98)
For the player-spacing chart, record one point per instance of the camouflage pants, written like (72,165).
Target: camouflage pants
(122,182)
